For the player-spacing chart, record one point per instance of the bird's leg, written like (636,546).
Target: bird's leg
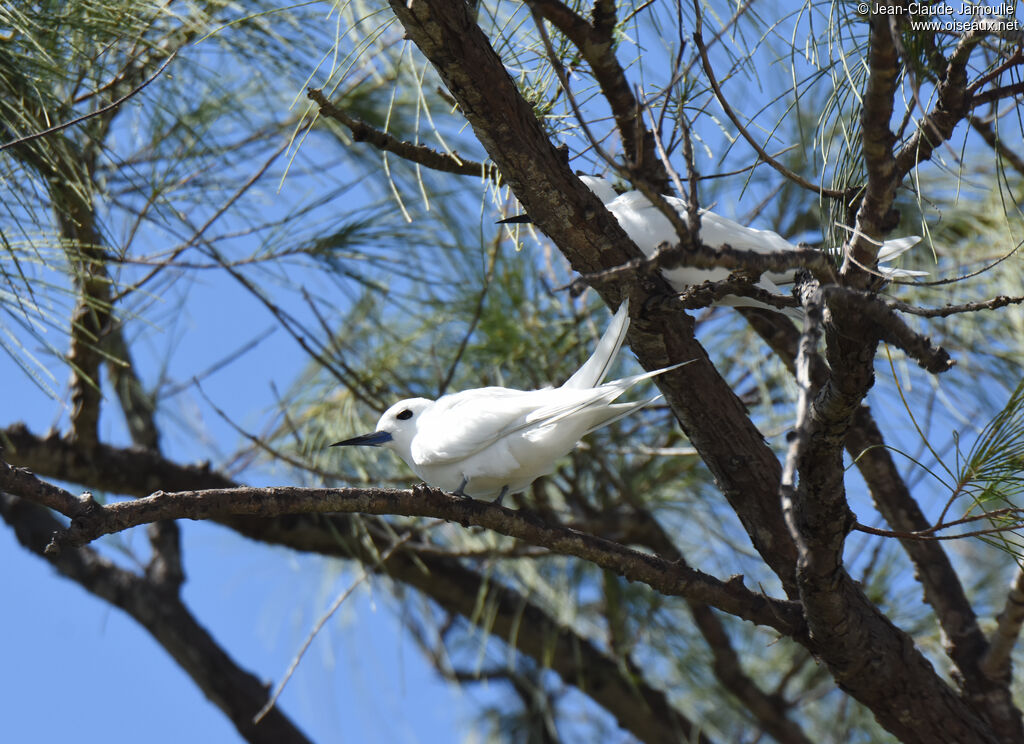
(460,491)
(497,501)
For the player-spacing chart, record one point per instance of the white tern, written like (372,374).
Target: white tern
(493,440)
(648,228)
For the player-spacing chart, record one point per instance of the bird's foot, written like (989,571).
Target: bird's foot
(501,496)
(461,490)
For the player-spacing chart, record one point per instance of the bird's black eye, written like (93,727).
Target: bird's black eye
(403,415)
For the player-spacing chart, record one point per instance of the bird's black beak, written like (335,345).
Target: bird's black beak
(366,440)
(518,219)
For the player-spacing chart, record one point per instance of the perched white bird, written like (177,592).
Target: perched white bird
(493,440)
(648,228)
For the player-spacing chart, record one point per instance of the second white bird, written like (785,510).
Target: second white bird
(493,440)
(648,228)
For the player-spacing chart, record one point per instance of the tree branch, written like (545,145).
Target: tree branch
(964,642)
(890,327)
(876,215)
(667,578)
(698,255)
(98,112)
(420,154)
(596,44)
(997,664)
(952,105)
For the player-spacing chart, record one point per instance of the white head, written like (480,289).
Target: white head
(396,428)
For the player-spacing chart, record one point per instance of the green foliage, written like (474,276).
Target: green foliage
(992,472)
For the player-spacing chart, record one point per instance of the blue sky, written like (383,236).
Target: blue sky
(75,665)
(77,669)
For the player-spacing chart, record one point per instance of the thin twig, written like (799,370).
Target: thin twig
(943,312)
(477,314)
(198,234)
(419,154)
(97,112)
(698,37)
(930,533)
(364,574)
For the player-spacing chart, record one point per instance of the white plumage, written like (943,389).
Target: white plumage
(493,440)
(648,228)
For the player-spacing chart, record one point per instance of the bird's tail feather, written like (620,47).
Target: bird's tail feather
(890,249)
(621,410)
(595,369)
(597,398)
(890,273)
(625,383)
(617,411)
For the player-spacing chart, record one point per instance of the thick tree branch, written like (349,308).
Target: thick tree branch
(134,472)
(890,327)
(92,314)
(95,520)
(67,172)
(856,636)
(965,644)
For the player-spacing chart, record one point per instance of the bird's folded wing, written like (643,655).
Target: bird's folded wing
(716,230)
(462,424)
(459,426)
